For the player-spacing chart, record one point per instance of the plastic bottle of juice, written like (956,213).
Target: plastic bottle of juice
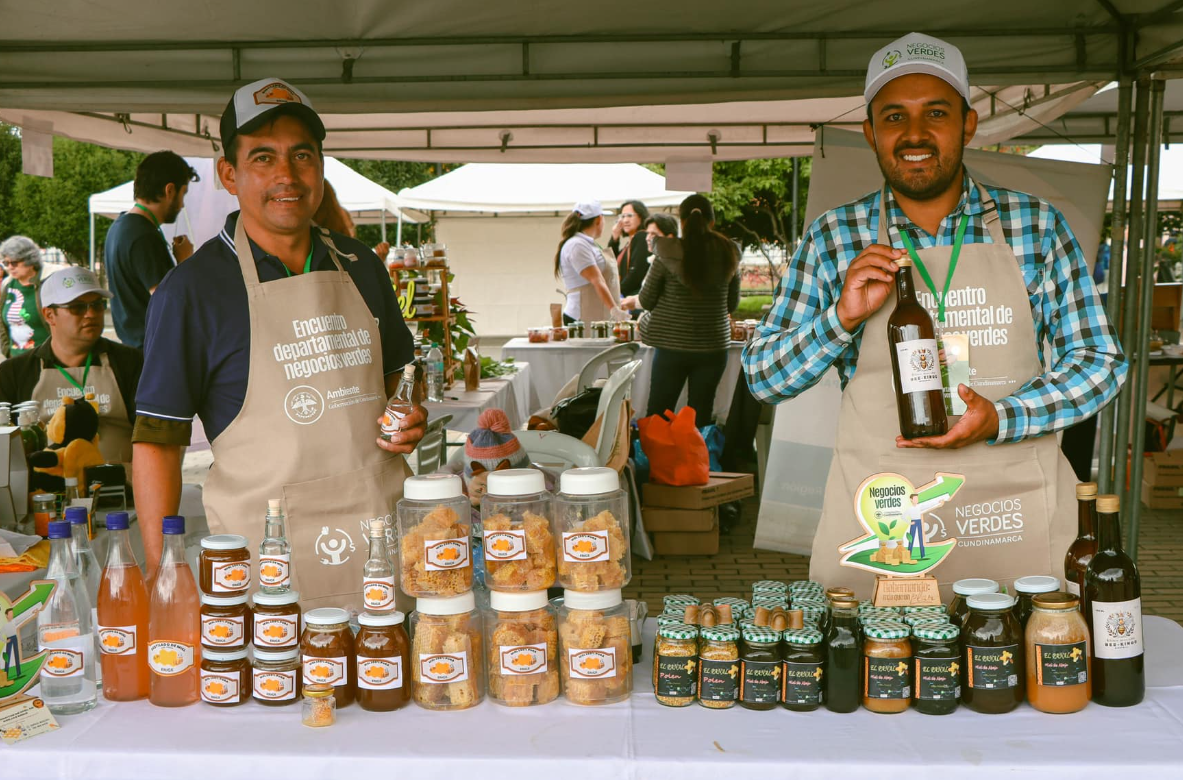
(174,624)
(65,633)
(123,618)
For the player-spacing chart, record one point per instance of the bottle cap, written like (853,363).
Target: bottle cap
(71,481)
(223,601)
(1037,584)
(589,481)
(381,620)
(904,262)
(280,599)
(453,605)
(432,487)
(173,524)
(518,602)
(117,521)
(678,631)
(1086,490)
(886,629)
(990,601)
(223,542)
(274,506)
(326,616)
(844,603)
(604,599)
(272,656)
(1108,504)
(76,515)
(59,529)
(377,527)
(1055,601)
(970,587)
(223,657)
(515,482)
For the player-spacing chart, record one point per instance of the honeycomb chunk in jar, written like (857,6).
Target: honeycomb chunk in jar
(595,648)
(591,530)
(523,642)
(435,544)
(518,544)
(447,658)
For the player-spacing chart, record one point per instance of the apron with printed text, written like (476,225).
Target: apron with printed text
(307,429)
(1015,513)
(591,308)
(99,380)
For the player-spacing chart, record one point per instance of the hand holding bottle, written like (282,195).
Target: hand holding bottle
(869,281)
(979,423)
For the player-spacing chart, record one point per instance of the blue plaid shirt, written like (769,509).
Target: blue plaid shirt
(801,336)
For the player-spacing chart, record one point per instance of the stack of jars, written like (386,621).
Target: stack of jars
(224,579)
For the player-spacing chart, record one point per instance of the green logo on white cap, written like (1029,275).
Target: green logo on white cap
(68,282)
(891,58)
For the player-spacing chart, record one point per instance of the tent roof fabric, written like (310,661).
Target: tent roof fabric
(1170,177)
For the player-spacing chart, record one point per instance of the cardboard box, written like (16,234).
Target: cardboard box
(1162,470)
(1162,497)
(663,519)
(687,543)
(721,487)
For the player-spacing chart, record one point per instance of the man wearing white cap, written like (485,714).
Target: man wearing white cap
(591,282)
(1000,268)
(76,360)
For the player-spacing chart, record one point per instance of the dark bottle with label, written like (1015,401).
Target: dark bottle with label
(804,670)
(843,656)
(915,361)
(992,670)
(1113,591)
(1082,550)
(936,671)
(760,668)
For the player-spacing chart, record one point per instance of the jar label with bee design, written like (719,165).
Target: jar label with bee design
(1061,665)
(888,678)
(676,676)
(1117,628)
(802,683)
(718,680)
(919,369)
(217,687)
(222,631)
(938,679)
(992,668)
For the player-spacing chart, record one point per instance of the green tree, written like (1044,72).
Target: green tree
(10,168)
(395,175)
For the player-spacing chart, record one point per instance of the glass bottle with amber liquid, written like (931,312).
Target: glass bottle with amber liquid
(915,361)
(1084,548)
(1113,591)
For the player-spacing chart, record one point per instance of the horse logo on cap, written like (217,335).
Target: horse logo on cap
(276,93)
(891,58)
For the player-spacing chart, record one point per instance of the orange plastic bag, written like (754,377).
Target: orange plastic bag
(676,450)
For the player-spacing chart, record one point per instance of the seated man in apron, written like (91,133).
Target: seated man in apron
(286,340)
(75,361)
(1017,265)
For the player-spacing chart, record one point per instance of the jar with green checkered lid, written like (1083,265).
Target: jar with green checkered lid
(678,600)
(739,607)
(802,585)
(668,620)
(760,668)
(675,665)
(804,667)
(769,586)
(919,618)
(935,609)
(770,600)
(887,666)
(718,667)
(936,669)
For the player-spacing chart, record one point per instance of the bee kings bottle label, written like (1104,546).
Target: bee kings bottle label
(920,370)
(1117,629)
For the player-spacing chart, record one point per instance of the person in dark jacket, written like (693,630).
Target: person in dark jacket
(688,296)
(628,242)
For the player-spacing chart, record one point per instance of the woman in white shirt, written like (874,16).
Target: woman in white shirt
(589,279)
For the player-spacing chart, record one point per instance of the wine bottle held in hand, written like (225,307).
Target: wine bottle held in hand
(400,404)
(1113,591)
(915,361)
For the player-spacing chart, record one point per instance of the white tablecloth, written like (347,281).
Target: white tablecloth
(511,394)
(555,363)
(634,739)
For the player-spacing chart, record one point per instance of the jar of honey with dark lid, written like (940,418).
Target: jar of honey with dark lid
(383,658)
(992,666)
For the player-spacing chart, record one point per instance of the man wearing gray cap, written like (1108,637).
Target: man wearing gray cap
(998,268)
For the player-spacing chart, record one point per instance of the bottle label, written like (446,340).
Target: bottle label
(761,682)
(378,592)
(443,668)
(992,668)
(326,670)
(888,678)
(676,675)
(274,686)
(938,679)
(217,687)
(505,545)
(1061,665)
(391,418)
(445,554)
(920,371)
(66,658)
(1073,587)
(277,631)
(591,664)
(275,571)
(585,546)
(169,659)
(117,640)
(232,577)
(222,632)
(523,659)
(718,680)
(1117,629)
(802,683)
(380,674)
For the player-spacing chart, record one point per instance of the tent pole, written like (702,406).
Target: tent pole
(384,227)
(1116,265)
(1133,266)
(793,208)
(91,265)
(1149,257)
(398,236)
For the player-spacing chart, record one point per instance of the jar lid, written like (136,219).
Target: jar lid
(763,634)
(221,656)
(720,633)
(432,487)
(934,609)
(922,618)
(770,600)
(223,542)
(886,629)
(972,587)
(381,619)
(937,632)
(1086,490)
(278,599)
(840,602)
(668,620)
(515,482)
(518,602)
(1037,584)
(223,601)
(737,605)
(879,613)
(326,616)
(990,601)
(803,603)
(589,481)
(678,631)
(803,636)
(318,690)
(448,605)
(771,586)
(813,613)
(799,585)
(679,599)
(1056,601)
(273,656)
(604,599)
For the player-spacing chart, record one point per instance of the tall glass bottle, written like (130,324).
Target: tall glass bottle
(88,569)
(915,363)
(435,373)
(27,420)
(843,656)
(1113,590)
(400,404)
(1082,550)
(122,617)
(65,632)
(378,572)
(174,624)
(275,552)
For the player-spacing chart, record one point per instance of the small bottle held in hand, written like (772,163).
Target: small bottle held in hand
(275,552)
(400,404)
(65,632)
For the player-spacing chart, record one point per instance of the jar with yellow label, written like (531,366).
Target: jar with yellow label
(887,666)
(718,667)
(675,665)
(447,658)
(276,678)
(523,642)
(225,623)
(276,621)
(327,652)
(225,565)
(992,667)
(225,677)
(804,669)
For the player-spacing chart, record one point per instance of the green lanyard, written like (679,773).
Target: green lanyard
(952,266)
(155,221)
(307,264)
(85,374)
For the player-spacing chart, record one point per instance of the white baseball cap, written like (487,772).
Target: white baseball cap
(917,53)
(589,209)
(260,101)
(69,284)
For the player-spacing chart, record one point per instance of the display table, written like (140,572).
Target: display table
(511,394)
(554,363)
(634,739)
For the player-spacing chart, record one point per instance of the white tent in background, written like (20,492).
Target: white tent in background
(1170,177)
(207,204)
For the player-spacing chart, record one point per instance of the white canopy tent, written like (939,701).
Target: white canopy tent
(1170,182)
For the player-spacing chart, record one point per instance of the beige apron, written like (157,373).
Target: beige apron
(114,427)
(1014,515)
(591,308)
(306,432)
